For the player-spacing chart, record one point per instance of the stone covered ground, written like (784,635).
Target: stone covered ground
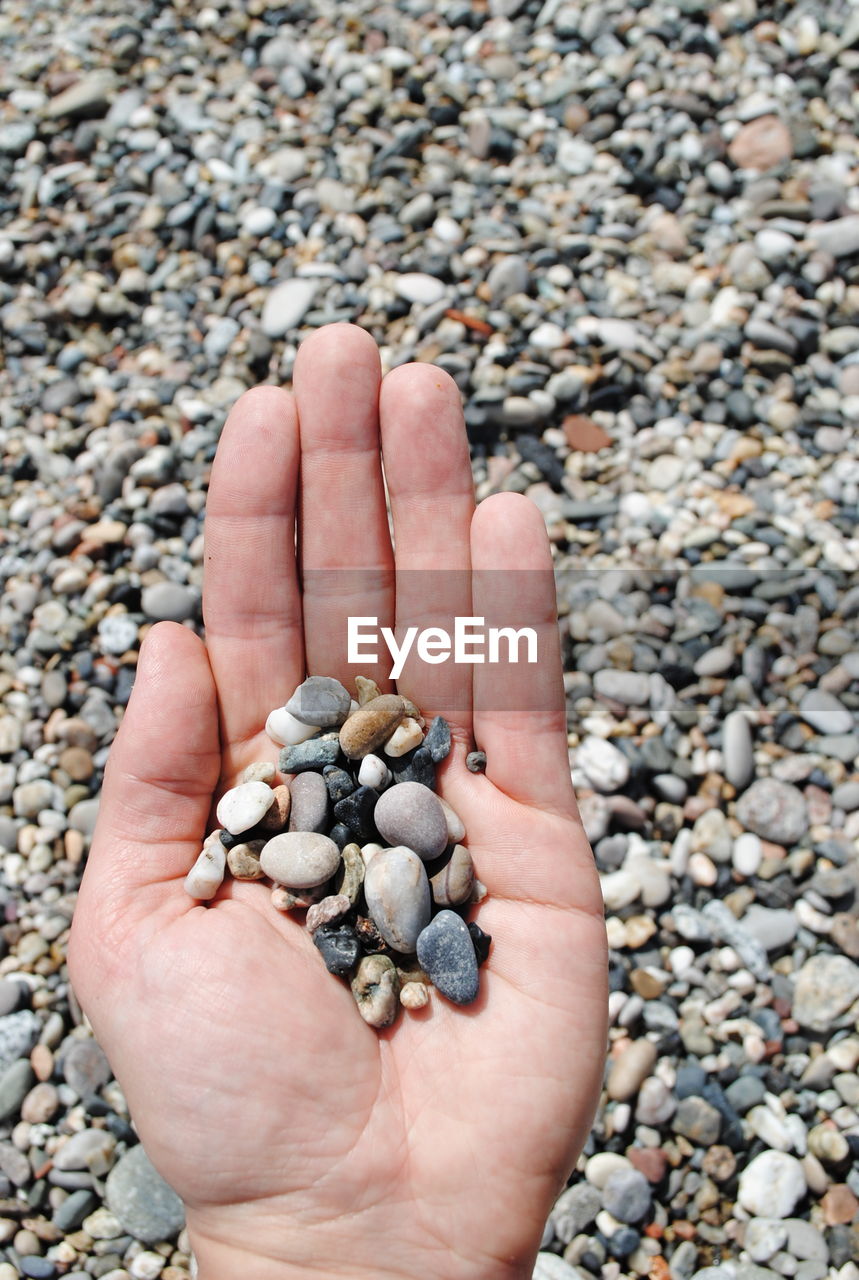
(630,232)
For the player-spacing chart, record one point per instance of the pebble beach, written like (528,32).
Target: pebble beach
(630,233)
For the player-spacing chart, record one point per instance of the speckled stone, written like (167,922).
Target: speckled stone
(446,953)
(313,754)
(437,739)
(774,810)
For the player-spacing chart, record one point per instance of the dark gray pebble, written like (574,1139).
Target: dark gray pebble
(338,782)
(313,754)
(446,954)
(73,1210)
(356,811)
(414,766)
(339,947)
(309,808)
(475,761)
(437,739)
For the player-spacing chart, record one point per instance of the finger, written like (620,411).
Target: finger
(519,707)
(251,603)
(162,770)
(344,545)
(428,471)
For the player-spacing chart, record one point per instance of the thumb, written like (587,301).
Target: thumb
(162,770)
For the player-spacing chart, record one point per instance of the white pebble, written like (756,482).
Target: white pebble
(147,1265)
(373,772)
(242,807)
(369,851)
(747,853)
(417,286)
(283,728)
(702,870)
(207,874)
(408,734)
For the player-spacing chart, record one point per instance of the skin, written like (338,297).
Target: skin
(303,1142)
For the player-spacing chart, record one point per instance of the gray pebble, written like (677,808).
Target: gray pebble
(737,750)
(309,805)
(446,954)
(15,1083)
(143,1202)
(774,811)
(627,1195)
(321,701)
(410,814)
(168,602)
(18,1033)
(398,896)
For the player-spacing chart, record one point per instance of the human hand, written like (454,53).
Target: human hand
(302,1141)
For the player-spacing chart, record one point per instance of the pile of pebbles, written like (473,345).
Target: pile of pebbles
(361,841)
(631,235)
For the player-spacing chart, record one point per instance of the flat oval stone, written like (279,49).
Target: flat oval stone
(446,954)
(371,725)
(243,806)
(309,807)
(452,884)
(411,814)
(300,859)
(398,896)
(320,700)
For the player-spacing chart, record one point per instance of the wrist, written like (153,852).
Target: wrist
(320,1253)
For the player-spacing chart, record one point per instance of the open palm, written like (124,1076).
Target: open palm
(301,1140)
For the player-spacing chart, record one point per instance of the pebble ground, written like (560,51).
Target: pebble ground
(630,232)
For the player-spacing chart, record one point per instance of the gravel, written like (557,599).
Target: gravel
(631,235)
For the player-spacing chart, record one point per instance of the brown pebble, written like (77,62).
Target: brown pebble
(42,1062)
(584,434)
(277,816)
(367,690)
(77,763)
(371,725)
(368,935)
(651,1161)
(761,143)
(243,860)
(719,1163)
(839,1205)
(40,1104)
(629,1071)
(77,733)
(334,907)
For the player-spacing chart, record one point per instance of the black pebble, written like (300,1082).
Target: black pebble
(339,783)
(482,941)
(369,937)
(338,947)
(475,761)
(356,811)
(227,838)
(341,835)
(437,739)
